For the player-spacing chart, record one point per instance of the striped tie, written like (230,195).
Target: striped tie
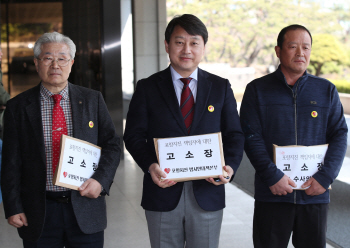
(187,103)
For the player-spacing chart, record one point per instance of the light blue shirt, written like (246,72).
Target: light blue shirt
(178,84)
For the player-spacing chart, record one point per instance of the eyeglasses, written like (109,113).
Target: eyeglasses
(60,61)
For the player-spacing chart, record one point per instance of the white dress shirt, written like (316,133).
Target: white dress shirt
(178,84)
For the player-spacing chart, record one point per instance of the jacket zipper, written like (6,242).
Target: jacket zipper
(295,108)
(295,123)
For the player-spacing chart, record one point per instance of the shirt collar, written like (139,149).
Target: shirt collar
(47,95)
(176,76)
(279,74)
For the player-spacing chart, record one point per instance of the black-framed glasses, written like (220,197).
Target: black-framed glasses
(60,61)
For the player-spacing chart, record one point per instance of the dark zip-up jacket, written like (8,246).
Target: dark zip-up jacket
(273,113)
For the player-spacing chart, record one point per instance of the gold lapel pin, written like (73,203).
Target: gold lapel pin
(211,108)
(91,124)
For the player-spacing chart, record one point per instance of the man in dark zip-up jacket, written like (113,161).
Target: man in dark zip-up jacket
(276,109)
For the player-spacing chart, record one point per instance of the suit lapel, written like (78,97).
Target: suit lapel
(33,110)
(77,103)
(203,91)
(166,87)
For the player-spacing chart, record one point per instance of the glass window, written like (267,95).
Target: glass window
(21,26)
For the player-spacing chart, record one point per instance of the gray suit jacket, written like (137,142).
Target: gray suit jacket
(24,161)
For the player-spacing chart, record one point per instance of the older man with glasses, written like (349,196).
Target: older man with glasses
(47,215)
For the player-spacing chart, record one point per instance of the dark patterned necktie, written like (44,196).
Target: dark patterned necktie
(59,127)
(187,103)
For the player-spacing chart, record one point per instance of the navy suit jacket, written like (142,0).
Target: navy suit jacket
(23,179)
(154,112)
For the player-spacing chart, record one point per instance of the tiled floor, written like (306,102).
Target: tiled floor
(126,220)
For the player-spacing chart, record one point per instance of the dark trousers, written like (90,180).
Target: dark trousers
(61,228)
(274,222)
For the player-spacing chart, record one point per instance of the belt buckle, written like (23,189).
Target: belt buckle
(64,199)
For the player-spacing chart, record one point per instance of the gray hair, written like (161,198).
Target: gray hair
(54,37)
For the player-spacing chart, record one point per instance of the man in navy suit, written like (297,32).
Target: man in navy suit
(191,212)
(47,215)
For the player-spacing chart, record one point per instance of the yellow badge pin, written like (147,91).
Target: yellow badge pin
(91,124)
(211,108)
(314,114)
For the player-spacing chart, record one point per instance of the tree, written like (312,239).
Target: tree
(26,31)
(326,51)
(244,32)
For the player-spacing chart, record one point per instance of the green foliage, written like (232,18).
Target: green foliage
(244,32)
(327,68)
(24,32)
(343,86)
(330,67)
(348,56)
(326,54)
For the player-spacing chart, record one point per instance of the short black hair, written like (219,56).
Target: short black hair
(280,38)
(192,25)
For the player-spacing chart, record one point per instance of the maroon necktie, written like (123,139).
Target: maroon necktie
(59,127)
(187,103)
